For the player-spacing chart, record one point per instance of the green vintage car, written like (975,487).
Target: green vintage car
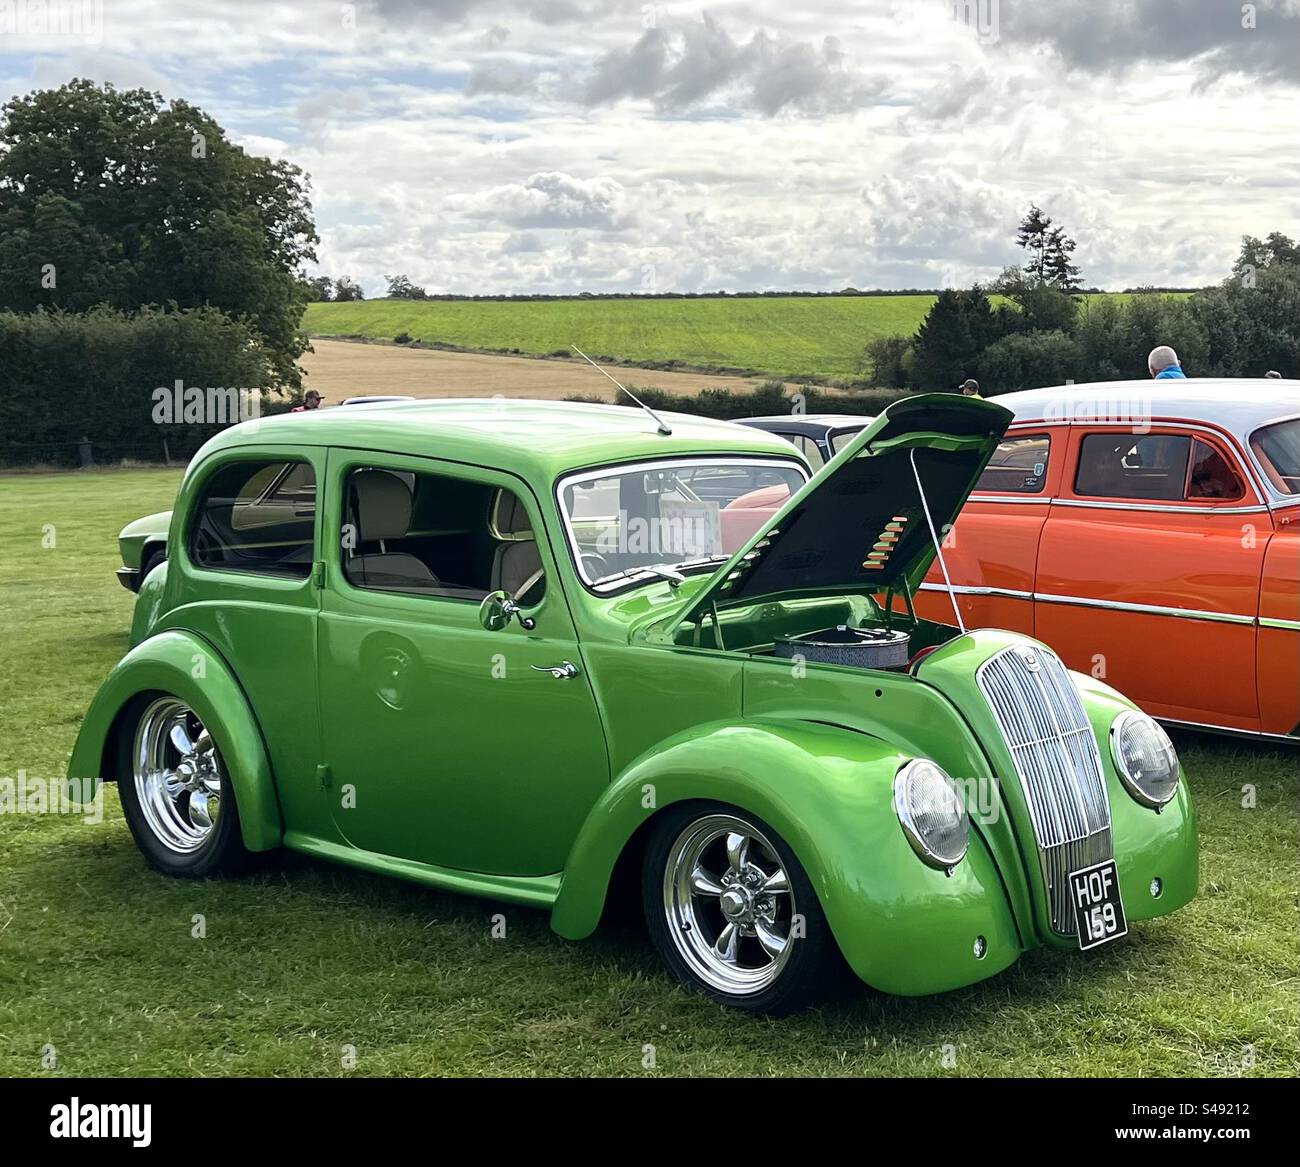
(544,652)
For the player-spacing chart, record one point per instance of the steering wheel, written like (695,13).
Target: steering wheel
(594,565)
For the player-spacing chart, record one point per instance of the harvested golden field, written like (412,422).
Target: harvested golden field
(340,369)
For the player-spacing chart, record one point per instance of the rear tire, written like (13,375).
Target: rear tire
(732,911)
(176,791)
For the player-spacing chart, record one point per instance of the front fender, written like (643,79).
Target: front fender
(902,926)
(189,667)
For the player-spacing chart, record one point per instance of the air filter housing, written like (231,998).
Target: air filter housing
(863,648)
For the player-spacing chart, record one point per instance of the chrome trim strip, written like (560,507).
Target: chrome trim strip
(967,590)
(1277,622)
(1022,499)
(1229,731)
(1148,609)
(1119,606)
(1160,508)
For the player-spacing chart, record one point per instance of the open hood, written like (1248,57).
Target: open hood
(858,526)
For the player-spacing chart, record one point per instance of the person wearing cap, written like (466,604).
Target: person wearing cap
(311,401)
(1162,363)
(970,388)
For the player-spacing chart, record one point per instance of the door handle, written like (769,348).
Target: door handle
(566,670)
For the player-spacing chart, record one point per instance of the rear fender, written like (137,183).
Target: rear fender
(188,667)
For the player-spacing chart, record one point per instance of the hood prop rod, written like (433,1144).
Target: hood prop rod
(938,550)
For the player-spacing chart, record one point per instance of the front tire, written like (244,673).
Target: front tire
(732,911)
(175,790)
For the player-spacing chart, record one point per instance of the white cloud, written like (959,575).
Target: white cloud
(562,145)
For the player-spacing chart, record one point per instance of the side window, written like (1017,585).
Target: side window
(810,450)
(1211,476)
(258,517)
(1147,466)
(1019,465)
(435,535)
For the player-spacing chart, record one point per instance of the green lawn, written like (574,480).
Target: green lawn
(789,336)
(301,960)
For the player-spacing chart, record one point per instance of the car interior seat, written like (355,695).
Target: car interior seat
(382,508)
(516,563)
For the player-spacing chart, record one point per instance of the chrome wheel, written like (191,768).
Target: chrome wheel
(177,775)
(729,905)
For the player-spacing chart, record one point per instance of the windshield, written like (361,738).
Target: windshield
(842,438)
(1277,447)
(628,524)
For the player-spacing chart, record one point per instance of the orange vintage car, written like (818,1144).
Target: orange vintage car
(1149,531)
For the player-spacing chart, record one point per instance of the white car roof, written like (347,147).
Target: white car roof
(1238,405)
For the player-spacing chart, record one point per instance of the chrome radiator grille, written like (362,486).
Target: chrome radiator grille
(1055,754)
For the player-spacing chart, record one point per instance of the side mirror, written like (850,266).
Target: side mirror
(498,609)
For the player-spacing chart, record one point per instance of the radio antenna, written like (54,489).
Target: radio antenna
(659,421)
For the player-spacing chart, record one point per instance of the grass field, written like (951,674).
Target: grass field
(784,336)
(98,962)
(794,336)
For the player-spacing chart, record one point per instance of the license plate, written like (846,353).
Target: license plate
(1098,910)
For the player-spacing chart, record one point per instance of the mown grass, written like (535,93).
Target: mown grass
(301,960)
(785,336)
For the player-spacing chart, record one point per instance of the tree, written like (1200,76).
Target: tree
(1032,236)
(1061,271)
(1028,360)
(1257,254)
(959,325)
(890,359)
(346,288)
(1049,251)
(401,288)
(112,197)
(320,288)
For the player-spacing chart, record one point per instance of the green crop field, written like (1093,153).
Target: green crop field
(786,336)
(102,973)
(790,336)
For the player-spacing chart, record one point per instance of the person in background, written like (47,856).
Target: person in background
(970,388)
(311,401)
(1163,364)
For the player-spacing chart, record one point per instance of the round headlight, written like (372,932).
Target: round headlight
(932,813)
(1145,758)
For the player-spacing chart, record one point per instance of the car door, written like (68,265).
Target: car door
(992,550)
(240,564)
(1149,569)
(445,743)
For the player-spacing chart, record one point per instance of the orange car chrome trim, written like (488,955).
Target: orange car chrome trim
(1119,606)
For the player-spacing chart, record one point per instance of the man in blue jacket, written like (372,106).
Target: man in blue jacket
(1163,363)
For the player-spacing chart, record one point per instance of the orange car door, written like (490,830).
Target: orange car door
(992,548)
(1149,570)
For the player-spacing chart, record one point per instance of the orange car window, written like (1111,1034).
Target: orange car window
(1019,465)
(1277,447)
(1211,476)
(1133,466)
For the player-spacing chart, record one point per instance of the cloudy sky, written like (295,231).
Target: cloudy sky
(569,145)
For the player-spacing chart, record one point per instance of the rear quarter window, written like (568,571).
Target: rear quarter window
(256,516)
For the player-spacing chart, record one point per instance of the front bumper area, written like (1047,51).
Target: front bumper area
(129,578)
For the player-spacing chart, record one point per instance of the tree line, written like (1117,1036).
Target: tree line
(1031,328)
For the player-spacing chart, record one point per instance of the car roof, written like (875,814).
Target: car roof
(545,438)
(1237,405)
(809,423)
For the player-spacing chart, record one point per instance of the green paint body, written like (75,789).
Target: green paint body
(475,772)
